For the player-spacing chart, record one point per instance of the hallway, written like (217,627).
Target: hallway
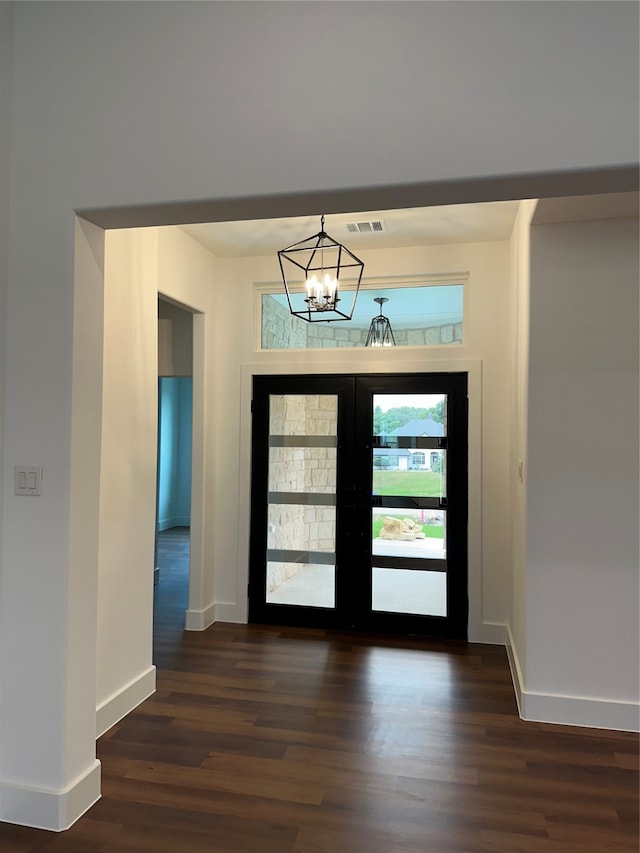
(170,595)
(269,740)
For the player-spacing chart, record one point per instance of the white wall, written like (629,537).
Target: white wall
(6,48)
(175,340)
(582,488)
(185,273)
(463,89)
(118,104)
(139,264)
(128,476)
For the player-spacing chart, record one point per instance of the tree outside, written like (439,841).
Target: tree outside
(385,422)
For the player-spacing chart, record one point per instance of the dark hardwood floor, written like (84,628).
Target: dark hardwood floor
(272,740)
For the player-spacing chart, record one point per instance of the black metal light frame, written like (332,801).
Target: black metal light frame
(326,259)
(380,331)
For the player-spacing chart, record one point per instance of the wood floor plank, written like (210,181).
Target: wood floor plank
(630,761)
(264,739)
(504,842)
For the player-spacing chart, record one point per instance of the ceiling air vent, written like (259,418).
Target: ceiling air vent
(366,227)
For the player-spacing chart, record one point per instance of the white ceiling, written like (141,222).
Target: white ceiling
(459,223)
(418,226)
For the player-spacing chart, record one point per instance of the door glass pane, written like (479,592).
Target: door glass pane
(408,519)
(402,532)
(429,315)
(409,453)
(402,591)
(302,499)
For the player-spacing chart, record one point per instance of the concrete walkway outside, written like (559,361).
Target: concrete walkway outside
(394,590)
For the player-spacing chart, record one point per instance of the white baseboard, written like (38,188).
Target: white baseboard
(117,706)
(492,633)
(516,671)
(50,809)
(581,711)
(231,613)
(200,620)
(570,710)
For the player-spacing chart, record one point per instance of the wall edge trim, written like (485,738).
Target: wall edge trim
(52,810)
(515,669)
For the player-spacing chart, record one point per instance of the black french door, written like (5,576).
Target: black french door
(359,502)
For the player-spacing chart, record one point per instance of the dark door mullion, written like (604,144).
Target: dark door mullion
(259,507)
(345,490)
(457,505)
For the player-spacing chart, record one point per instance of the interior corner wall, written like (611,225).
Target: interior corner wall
(582,484)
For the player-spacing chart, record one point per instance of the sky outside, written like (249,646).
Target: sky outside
(415,401)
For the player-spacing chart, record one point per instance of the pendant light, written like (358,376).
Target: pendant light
(380,331)
(313,271)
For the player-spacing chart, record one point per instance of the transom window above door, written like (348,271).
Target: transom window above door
(421,313)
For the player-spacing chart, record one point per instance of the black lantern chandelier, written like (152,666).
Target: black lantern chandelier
(312,272)
(380,331)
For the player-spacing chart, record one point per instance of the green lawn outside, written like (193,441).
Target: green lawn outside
(422,484)
(431,531)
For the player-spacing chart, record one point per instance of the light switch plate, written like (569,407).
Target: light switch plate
(27,480)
